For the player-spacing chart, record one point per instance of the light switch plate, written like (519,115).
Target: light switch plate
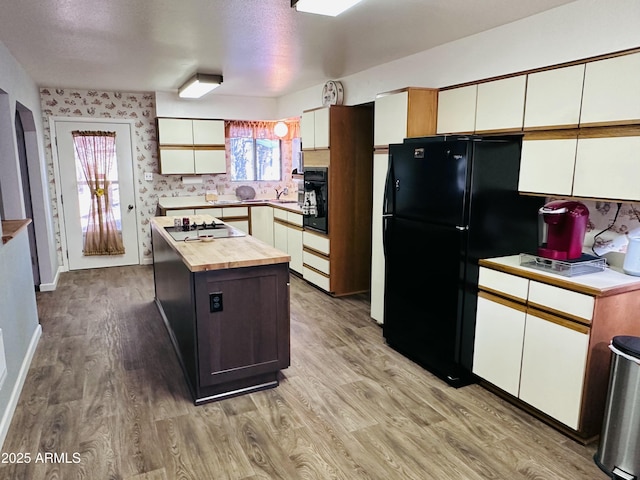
(148,176)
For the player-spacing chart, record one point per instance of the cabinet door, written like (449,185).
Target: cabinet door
(210,161)
(240,340)
(208,132)
(262,224)
(608,168)
(390,118)
(457,110)
(175,131)
(321,128)
(380,166)
(501,104)
(307,130)
(176,161)
(553,98)
(294,248)
(553,368)
(497,347)
(280,237)
(611,92)
(546,166)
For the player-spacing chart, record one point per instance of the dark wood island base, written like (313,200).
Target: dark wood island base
(229,325)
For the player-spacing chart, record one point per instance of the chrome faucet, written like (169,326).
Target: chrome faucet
(279,193)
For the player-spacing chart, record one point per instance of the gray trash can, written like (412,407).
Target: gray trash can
(618,453)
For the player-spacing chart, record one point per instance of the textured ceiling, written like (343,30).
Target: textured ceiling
(261,47)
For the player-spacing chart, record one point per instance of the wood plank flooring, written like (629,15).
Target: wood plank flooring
(105,388)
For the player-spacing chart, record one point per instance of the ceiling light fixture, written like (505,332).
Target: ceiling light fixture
(199,85)
(323,7)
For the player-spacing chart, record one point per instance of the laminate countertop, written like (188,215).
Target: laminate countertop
(610,281)
(11,228)
(199,201)
(221,253)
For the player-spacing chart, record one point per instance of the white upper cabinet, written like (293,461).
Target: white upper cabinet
(406,113)
(611,91)
(546,166)
(390,119)
(208,132)
(608,168)
(553,98)
(177,142)
(175,131)
(457,110)
(314,129)
(500,104)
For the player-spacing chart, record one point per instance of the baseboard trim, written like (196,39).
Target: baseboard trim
(7,416)
(50,287)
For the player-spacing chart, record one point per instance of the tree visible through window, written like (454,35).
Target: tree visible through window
(255,150)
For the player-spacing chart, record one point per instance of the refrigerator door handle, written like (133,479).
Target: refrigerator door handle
(462,228)
(388,203)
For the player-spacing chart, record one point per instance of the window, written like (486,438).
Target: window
(255,159)
(255,151)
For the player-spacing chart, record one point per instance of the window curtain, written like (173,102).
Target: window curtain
(95,152)
(260,129)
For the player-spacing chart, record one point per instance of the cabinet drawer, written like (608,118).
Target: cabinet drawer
(235,212)
(319,263)
(316,278)
(504,283)
(182,212)
(548,297)
(316,242)
(281,214)
(294,218)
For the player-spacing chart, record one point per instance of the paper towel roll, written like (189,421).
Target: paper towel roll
(193,180)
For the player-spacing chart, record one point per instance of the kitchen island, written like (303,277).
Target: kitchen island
(225,304)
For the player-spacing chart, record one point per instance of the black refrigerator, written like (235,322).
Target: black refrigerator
(449,201)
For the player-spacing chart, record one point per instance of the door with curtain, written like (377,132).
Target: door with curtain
(95,161)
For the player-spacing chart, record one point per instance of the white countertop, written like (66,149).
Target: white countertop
(198,201)
(606,282)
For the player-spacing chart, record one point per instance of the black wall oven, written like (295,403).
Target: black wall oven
(316,195)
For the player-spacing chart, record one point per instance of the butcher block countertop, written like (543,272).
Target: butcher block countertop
(610,281)
(11,228)
(221,253)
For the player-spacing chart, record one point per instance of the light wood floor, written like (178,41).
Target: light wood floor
(105,386)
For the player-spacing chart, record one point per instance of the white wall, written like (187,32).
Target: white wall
(578,30)
(17,88)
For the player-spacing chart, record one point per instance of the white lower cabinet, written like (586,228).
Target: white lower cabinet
(316,260)
(554,358)
(534,355)
(262,224)
(498,344)
(287,236)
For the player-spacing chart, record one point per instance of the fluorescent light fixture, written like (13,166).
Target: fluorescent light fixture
(199,85)
(323,7)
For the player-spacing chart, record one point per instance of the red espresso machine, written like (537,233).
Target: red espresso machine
(566,222)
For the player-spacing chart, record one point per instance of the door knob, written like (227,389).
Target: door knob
(130,207)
